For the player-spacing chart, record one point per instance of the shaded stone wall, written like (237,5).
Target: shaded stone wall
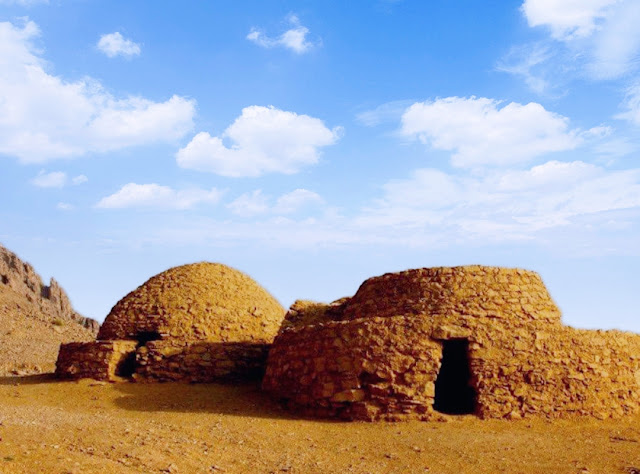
(364,369)
(96,360)
(52,300)
(163,361)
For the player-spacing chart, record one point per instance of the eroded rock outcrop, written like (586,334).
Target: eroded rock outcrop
(21,278)
(34,319)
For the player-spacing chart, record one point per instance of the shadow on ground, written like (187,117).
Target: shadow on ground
(245,400)
(27,379)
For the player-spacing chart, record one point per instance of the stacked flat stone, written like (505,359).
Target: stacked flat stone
(378,354)
(196,323)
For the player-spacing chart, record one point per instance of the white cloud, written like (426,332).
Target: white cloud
(504,205)
(250,204)
(256,203)
(526,62)
(44,117)
(567,18)
(64,206)
(54,179)
(80,179)
(478,132)
(387,112)
(294,38)
(114,44)
(263,140)
(296,200)
(601,36)
(632,104)
(153,195)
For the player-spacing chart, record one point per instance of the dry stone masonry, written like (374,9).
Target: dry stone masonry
(428,342)
(202,322)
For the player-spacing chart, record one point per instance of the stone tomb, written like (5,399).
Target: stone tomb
(202,322)
(435,341)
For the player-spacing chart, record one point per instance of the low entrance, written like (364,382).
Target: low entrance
(127,365)
(454,394)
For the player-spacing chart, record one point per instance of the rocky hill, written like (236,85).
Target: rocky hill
(34,319)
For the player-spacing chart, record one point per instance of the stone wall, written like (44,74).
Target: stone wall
(378,355)
(486,292)
(386,368)
(163,361)
(51,299)
(101,360)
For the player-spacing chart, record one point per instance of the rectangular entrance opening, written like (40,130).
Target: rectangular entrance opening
(454,393)
(126,366)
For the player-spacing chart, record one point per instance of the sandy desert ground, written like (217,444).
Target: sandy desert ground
(87,426)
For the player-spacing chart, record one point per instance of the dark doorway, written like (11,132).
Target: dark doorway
(145,336)
(454,394)
(127,365)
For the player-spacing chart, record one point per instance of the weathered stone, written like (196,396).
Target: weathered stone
(522,360)
(203,322)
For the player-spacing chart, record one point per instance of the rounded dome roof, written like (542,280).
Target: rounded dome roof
(507,293)
(200,301)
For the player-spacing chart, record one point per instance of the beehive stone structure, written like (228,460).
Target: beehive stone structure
(196,323)
(435,341)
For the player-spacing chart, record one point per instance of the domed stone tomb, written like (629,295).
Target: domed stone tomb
(432,342)
(198,323)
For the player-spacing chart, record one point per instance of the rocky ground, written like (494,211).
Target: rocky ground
(86,426)
(29,338)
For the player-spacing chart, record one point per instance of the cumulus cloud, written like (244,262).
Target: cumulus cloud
(294,38)
(480,132)
(153,195)
(504,205)
(44,117)
(263,140)
(114,44)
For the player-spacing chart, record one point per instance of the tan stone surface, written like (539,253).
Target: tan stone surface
(99,360)
(378,354)
(203,322)
(200,301)
(201,362)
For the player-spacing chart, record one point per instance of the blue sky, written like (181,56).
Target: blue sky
(315,144)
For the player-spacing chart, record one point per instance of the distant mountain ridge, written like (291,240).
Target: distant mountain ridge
(35,318)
